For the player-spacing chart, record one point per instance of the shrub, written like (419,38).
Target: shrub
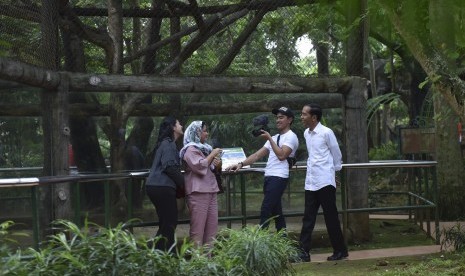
(10,262)
(255,251)
(116,251)
(454,237)
(387,151)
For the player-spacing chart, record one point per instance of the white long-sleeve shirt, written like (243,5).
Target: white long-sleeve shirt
(324,158)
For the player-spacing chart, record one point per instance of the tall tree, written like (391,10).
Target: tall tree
(56,203)
(433,49)
(357,179)
(448,153)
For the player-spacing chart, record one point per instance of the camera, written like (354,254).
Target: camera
(261,123)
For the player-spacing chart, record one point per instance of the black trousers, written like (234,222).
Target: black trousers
(273,190)
(164,200)
(326,198)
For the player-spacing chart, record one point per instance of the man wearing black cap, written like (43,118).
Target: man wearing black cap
(279,147)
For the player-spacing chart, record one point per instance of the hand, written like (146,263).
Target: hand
(338,180)
(217,163)
(234,168)
(217,152)
(265,134)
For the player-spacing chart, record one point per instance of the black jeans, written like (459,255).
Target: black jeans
(164,200)
(273,189)
(326,198)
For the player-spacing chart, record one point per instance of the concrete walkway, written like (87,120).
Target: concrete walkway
(398,251)
(383,253)
(294,224)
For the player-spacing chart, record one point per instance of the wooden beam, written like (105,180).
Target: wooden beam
(198,108)
(79,82)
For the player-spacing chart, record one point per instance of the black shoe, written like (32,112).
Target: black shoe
(338,256)
(304,257)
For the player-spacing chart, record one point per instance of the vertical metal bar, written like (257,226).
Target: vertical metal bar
(436,209)
(77,202)
(107,203)
(427,196)
(234,200)
(344,205)
(228,198)
(243,203)
(35,216)
(410,181)
(419,212)
(130,198)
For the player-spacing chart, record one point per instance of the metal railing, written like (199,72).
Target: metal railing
(421,194)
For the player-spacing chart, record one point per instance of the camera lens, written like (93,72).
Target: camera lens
(256,132)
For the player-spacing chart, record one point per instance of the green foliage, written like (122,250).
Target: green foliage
(388,151)
(441,265)
(258,250)
(374,104)
(10,262)
(94,250)
(454,237)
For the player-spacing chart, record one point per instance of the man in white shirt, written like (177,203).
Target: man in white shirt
(279,147)
(324,159)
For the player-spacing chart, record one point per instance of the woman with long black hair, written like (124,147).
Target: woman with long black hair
(165,176)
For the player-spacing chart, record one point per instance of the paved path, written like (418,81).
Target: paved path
(183,231)
(383,253)
(394,252)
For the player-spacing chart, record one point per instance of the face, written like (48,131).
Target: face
(282,121)
(177,129)
(203,134)
(307,119)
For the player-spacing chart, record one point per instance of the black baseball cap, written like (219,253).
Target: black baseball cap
(283,110)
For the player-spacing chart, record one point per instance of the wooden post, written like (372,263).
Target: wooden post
(62,204)
(356,151)
(54,123)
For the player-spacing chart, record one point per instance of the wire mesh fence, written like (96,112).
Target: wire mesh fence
(274,37)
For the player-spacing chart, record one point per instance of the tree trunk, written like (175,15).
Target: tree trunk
(356,151)
(357,39)
(451,172)
(355,128)
(87,154)
(116,130)
(322,54)
(55,202)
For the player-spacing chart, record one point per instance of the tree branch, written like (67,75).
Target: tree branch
(239,42)
(201,37)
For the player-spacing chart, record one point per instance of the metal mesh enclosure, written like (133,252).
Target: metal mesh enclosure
(274,37)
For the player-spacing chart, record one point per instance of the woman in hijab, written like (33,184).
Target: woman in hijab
(165,176)
(200,161)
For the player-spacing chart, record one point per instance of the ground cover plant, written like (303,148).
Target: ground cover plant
(438,264)
(94,250)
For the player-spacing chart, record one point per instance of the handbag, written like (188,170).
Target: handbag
(219,181)
(291,161)
(180,191)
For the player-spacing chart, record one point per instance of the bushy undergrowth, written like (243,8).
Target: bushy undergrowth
(449,265)
(454,237)
(94,250)
(255,251)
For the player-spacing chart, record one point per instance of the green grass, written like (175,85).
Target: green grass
(384,234)
(434,264)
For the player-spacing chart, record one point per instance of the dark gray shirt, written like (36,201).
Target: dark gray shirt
(166,161)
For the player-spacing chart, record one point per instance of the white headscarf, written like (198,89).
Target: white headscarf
(192,138)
